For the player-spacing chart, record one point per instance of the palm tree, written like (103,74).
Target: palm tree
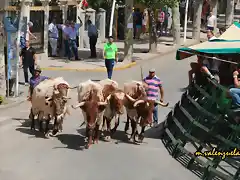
(197,19)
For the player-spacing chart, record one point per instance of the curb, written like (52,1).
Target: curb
(103,69)
(13,104)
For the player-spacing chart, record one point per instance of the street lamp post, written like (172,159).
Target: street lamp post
(112,17)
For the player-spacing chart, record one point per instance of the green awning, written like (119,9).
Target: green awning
(227,43)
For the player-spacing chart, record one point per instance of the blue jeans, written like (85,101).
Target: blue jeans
(235,93)
(73,47)
(155,113)
(66,48)
(109,63)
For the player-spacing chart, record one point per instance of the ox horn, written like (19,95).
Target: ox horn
(65,97)
(79,105)
(138,102)
(108,98)
(161,103)
(102,103)
(130,98)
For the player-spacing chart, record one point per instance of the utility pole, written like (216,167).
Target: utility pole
(185,22)
(128,42)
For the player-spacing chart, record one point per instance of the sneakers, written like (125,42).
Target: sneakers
(26,84)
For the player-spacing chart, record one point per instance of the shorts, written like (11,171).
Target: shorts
(210,28)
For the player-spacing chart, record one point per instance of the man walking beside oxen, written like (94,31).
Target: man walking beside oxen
(154,84)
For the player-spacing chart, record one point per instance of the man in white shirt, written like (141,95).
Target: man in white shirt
(53,37)
(212,22)
(25,36)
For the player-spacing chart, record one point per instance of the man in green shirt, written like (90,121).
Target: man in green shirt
(110,55)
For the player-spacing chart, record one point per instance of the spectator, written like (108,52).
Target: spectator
(110,56)
(212,22)
(53,37)
(28,61)
(72,42)
(64,28)
(25,36)
(93,35)
(235,92)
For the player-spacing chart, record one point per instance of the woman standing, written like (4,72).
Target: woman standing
(110,55)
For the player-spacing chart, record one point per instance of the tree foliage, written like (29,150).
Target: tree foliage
(158,3)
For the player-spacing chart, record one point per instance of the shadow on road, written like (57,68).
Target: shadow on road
(72,141)
(28,131)
(23,121)
(155,132)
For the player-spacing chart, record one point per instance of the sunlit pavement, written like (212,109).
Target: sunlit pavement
(24,154)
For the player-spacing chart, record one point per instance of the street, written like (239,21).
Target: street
(26,155)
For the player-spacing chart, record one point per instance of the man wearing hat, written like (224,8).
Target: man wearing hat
(110,55)
(35,80)
(154,85)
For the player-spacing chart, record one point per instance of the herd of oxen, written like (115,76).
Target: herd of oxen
(102,103)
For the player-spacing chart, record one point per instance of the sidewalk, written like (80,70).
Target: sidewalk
(140,54)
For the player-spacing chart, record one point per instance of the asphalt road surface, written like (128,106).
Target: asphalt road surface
(24,154)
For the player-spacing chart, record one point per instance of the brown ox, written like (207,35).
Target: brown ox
(115,106)
(92,103)
(138,107)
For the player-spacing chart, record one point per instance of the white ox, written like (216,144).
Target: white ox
(92,103)
(49,100)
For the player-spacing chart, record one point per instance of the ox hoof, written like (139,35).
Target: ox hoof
(127,132)
(47,135)
(87,146)
(107,138)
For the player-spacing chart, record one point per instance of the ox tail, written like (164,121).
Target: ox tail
(75,107)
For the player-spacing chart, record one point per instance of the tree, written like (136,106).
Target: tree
(2,66)
(152,5)
(229,15)
(197,19)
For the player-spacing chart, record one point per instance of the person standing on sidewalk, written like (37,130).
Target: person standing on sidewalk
(212,22)
(25,36)
(93,35)
(154,84)
(110,55)
(28,61)
(53,37)
(64,28)
(72,34)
